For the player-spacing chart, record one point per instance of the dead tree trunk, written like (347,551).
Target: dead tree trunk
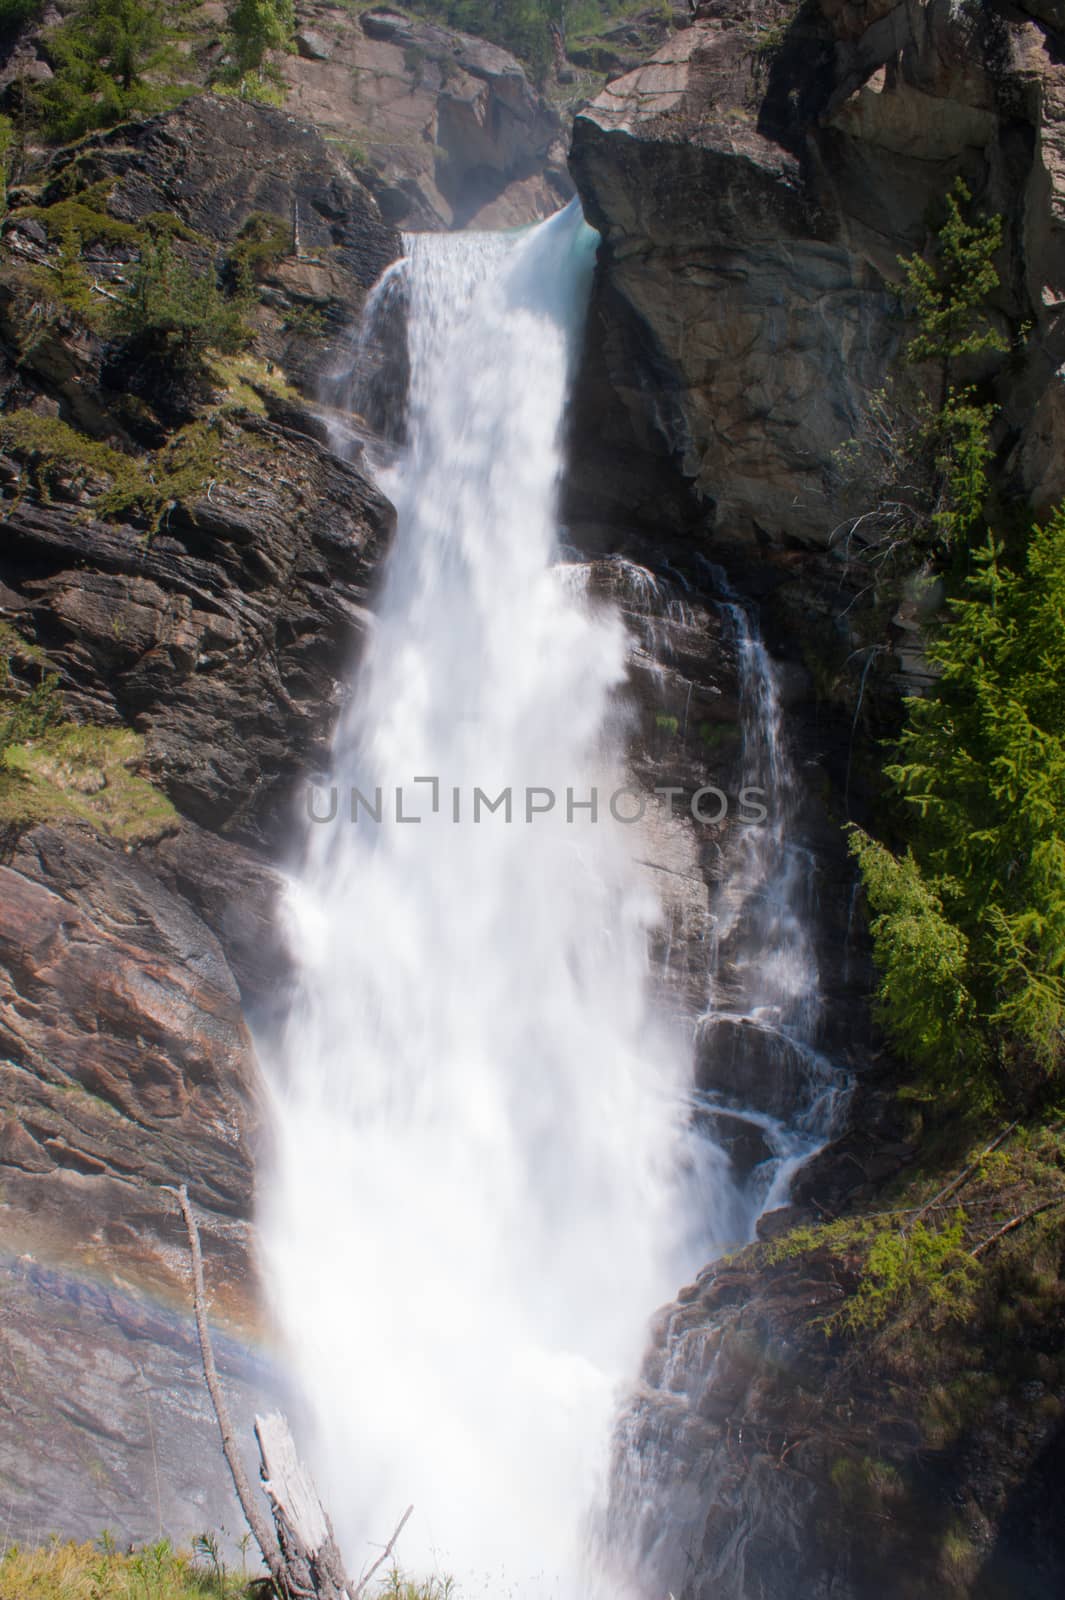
(312,1561)
(253,1512)
(303,1560)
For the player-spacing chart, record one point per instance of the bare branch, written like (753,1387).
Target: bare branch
(253,1512)
(963,1176)
(355,1590)
(1015,1222)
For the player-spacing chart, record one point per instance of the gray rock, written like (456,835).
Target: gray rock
(754,202)
(314,46)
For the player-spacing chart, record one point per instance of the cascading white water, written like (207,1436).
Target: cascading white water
(763,971)
(760,1064)
(484,1178)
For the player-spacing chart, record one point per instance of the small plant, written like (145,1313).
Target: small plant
(306,322)
(114,484)
(177,312)
(25,712)
(897,1266)
(260,244)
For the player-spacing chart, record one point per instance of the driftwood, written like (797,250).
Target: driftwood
(1017,1222)
(313,1564)
(301,1554)
(962,1178)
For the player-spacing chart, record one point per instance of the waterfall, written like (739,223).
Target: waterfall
(758,1039)
(485,1177)
(760,1070)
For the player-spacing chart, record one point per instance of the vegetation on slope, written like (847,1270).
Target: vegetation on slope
(969,918)
(112,60)
(942,1297)
(70,1571)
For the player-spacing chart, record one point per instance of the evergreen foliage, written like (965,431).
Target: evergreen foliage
(926,457)
(178,311)
(949,293)
(949,296)
(259,26)
(112,59)
(258,30)
(969,926)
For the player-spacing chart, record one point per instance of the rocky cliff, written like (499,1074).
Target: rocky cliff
(201,649)
(447,128)
(755,183)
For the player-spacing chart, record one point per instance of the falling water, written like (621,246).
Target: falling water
(759,1067)
(485,1178)
(759,1035)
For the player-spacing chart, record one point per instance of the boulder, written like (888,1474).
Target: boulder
(756,182)
(445,128)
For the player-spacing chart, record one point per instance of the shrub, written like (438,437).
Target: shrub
(259,245)
(969,928)
(118,485)
(112,59)
(177,312)
(25,712)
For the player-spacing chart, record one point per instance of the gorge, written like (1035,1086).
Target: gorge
(469,1104)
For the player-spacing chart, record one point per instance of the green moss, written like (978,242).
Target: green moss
(85,218)
(84,774)
(715,734)
(667,724)
(245,379)
(896,1264)
(864,1483)
(118,486)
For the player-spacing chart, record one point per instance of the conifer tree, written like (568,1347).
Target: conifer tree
(969,927)
(258,27)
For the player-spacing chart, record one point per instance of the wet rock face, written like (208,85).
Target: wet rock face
(129,973)
(446,128)
(125,1067)
(755,183)
(106,1422)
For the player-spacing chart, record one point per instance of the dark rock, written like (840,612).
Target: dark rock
(239,898)
(744,1142)
(754,1066)
(754,199)
(226,639)
(214,160)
